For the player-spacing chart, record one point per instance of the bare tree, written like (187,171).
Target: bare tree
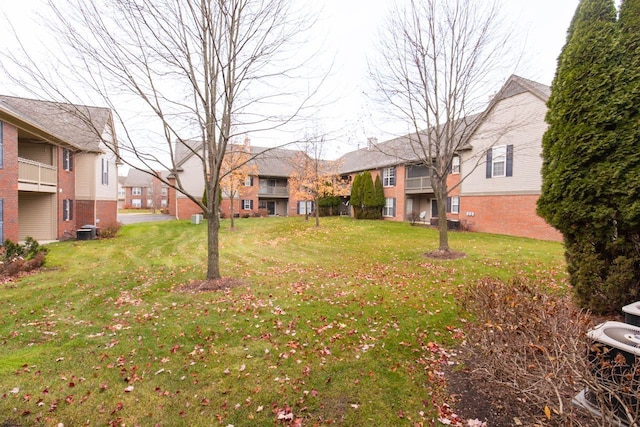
(236,169)
(190,70)
(437,60)
(313,177)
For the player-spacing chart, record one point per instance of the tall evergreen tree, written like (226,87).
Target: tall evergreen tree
(379,194)
(356,196)
(588,160)
(368,196)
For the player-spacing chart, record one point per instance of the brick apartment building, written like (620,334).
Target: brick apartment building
(58,168)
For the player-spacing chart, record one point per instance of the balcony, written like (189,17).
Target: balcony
(273,191)
(35,176)
(418,185)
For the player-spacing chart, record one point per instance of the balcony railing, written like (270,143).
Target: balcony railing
(35,176)
(418,185)
(274,191)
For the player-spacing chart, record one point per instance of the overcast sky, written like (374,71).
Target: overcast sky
(350,26)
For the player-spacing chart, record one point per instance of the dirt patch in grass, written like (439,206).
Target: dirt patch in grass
(438,254)
(473,398)
(211,285)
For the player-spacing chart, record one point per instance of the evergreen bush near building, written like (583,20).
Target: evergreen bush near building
(591,154)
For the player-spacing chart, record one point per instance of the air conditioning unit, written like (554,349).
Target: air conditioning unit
(613,356)
(632,313)
(196,219)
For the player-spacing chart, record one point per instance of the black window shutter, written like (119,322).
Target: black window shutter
(1,222)
(448,204)
(250,204)
(1,160)
(394,207)
(509,170)
(489,158)
(70,209)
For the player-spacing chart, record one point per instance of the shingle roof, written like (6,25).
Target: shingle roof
(62,120)
(274,162)
(406,149)
(138,178)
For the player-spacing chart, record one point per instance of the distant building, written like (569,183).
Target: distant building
(495,179)
(58,168)
(144,191)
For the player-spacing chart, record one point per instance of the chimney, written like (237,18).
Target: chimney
(371,142)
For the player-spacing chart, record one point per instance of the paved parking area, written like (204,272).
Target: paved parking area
(136,217)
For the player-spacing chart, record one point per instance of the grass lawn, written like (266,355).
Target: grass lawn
(346,324)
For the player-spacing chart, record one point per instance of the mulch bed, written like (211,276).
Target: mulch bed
(438,254)
(472,397)
(222,284)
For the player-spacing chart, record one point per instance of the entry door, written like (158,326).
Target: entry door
(271,207)
(434,208)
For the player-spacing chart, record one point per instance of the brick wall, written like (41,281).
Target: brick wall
(9,181)
(186,208)
(84,212)
(514,215)
(66,190)
(106,212)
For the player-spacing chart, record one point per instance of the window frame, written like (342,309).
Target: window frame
(455,165)
(136,203)
(389,176)
(67,159)
(136,191)
(453,204)
(389,208)
(105,171)
(67,209)
(491,161)
(247,204)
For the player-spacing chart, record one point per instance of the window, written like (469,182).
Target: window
(248,182)
(388,177)
(105,172)
(305,207)
(453,204)
(136,203)
(67,210)
(136,191)
(67,159)
(1,221)
(455,164)
(163,203)
(149,203)
(500,161)
(164,191)
(389,209)
(247,205)
(1,153)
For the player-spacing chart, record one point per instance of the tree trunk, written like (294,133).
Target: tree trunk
(443,232)
(213,251)
(233,224)
(317,212)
